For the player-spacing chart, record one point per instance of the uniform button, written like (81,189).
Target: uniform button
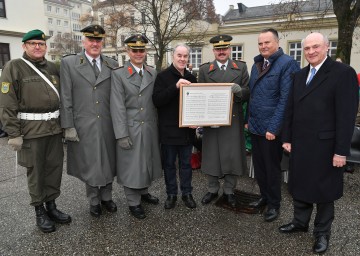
(142,122)
(97,102)
(141,108)
(98,116)
(95,88)
(139,95)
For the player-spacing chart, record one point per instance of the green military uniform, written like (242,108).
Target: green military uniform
(24,91)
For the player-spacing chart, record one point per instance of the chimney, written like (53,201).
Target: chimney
(231,7)
(242,7)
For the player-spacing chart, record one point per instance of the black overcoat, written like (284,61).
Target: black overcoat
(319,123)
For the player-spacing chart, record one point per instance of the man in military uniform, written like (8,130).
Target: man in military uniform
(135,125)
(29,112)
(85,115)
(223,147)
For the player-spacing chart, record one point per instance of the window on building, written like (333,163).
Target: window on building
(123,59)
(50,21)
(122,39)
(58,22)
(51,33)
(155,38)
(66,23)
(4,54)
(57,10)
(59,34)
(52,45)
(195,57)
(49,8)
(2,9)
(332,49)
(237,52)
(295,51)
(53,57)
(65,12)
(102,21)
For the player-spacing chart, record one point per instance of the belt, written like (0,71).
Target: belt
(38,116)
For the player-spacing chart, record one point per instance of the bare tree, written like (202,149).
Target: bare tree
(65,44)
(307,15)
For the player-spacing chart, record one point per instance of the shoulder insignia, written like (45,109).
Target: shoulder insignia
(204,64)
(5,87)
(149,66)
(130,70)
(116,68)
(241,61)
(70,54)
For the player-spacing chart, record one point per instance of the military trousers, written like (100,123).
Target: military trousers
(43,159)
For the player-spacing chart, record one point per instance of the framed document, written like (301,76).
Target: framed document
(205,104)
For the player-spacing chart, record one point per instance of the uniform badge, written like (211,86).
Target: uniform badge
(81,60)
(235,66)
(130,70)
(5,87)
(211,67)
(53,78)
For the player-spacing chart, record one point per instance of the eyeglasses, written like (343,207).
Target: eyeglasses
(138,50)
(33,44)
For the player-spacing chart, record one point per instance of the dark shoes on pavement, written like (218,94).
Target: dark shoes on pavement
(230,200)
(321,244)
(258,204)
(170,201)
(95,210)
(209,197)
(110,206)
(271,214)
(137,211)
(3,134)
(292,228)
(189,201)
(43,221)
(150,199)
(55,214)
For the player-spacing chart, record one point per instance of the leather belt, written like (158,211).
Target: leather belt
(38,116)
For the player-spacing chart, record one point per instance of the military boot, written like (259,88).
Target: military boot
(43,221)
(55,214)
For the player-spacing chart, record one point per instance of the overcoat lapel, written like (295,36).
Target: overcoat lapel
(105,72)
(85,69)
(147,78)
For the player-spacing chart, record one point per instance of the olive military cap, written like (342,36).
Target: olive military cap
(95,31)
(221,41)
(35,34)
(136,42)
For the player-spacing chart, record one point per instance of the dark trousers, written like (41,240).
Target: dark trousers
(169,154)
(43,159)
(323,218)
(266,156)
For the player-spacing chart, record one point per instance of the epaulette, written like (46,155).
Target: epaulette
(70,54)
(241,61)
(150,66)
(204,63)
(117,68)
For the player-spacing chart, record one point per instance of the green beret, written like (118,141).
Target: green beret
(35,34)
(221,41)
(136,41)
(95,31)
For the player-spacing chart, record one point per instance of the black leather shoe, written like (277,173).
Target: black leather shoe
(209,197)
(3,134)
(150,198)
(291,228)
(55,214)
(259,203)
(170,202)
(110,206)
(137,211)
(44,223)
(230,200)
(189,201)
(95,210)
(321,244)
(271,214)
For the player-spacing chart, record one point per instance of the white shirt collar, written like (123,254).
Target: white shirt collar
(98,60)
(138,69)
(220,64)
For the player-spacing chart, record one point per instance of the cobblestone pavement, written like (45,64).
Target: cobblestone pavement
(206,230)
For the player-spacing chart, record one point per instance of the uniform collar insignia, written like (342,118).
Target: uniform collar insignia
(234,65)
(130,70)
(211,68)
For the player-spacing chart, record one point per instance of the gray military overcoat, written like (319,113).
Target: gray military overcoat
(223,149)
(85,105)
(134,115)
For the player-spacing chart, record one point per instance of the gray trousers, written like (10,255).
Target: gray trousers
(133,196)
(97,194)
(229,184)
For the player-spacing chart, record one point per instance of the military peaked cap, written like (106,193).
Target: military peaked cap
(35,34)
(221,41)
(96,31)
(136,41)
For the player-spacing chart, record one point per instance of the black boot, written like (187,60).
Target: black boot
(43,221)
(55,214)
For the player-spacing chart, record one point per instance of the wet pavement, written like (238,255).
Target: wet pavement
(206,230)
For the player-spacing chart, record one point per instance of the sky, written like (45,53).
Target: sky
(222,6)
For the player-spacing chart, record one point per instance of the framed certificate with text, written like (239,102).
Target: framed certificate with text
(205,104)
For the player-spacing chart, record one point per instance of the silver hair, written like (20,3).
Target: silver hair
(181,45)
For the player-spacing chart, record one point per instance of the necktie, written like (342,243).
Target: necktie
(313,71)
(223,67)
(140,72)
(96,68)
(265,65)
